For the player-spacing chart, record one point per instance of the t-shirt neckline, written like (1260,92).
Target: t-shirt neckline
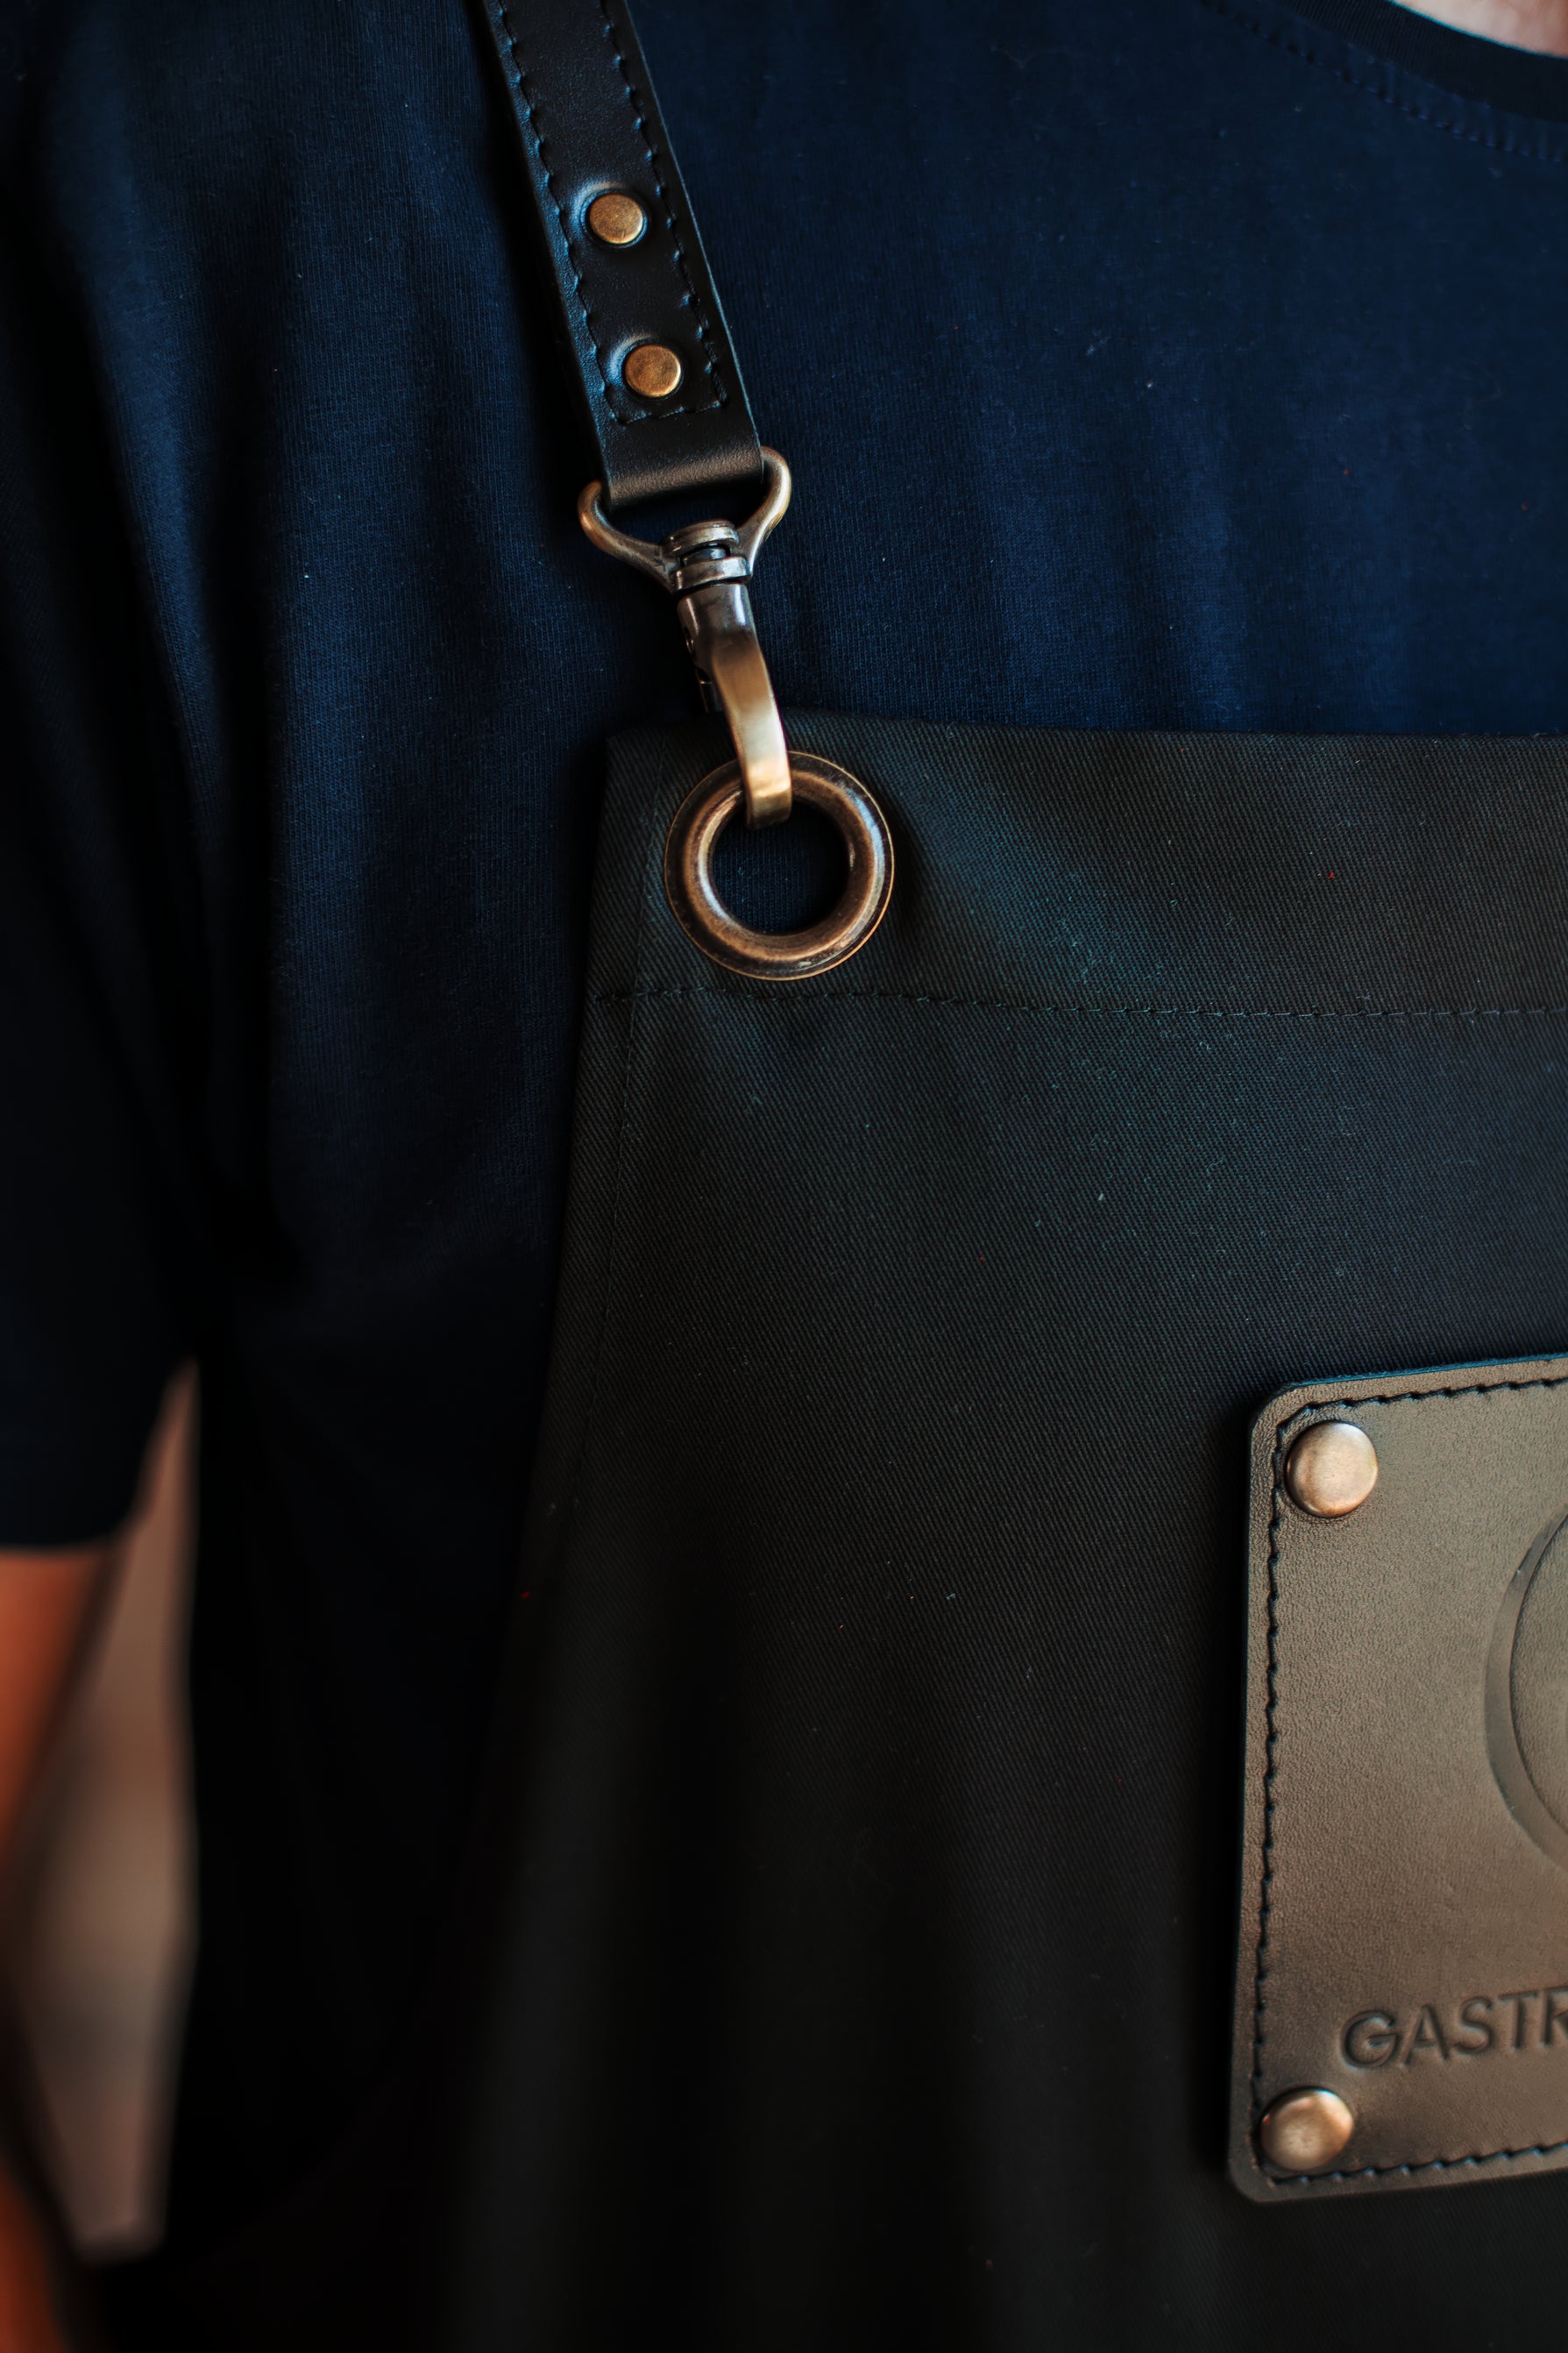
(1520,81)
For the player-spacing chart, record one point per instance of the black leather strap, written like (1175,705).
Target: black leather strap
(587,123)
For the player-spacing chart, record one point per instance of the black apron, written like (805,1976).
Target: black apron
(865,1960)
(865,1971)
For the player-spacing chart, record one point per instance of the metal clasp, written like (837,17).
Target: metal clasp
(706,568)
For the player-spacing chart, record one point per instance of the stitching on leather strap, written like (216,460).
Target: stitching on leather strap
(692,299)
(531,118)
(529,107)
(1260,1961)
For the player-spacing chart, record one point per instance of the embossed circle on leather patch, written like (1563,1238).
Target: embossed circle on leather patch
(1527,1692)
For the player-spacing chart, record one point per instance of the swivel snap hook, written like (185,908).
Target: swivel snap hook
(706,568)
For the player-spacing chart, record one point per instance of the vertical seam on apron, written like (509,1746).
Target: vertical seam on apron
(652,837)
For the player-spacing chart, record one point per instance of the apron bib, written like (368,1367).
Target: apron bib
(866,1974)
(895,1679)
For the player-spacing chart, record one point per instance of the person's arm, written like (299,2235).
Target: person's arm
(46,1601)
(48,1604)
(103,982)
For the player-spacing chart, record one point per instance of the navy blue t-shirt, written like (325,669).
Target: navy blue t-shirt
(1156,364)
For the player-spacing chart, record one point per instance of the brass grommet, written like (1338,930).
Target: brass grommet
(652,371)
(702,817)
(616,219)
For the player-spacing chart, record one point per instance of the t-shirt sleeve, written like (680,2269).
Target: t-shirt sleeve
(99,1217)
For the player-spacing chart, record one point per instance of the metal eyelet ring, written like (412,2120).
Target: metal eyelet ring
(702,817)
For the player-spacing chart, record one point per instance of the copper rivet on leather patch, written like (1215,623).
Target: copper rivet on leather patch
(1332,1469)
(1303,2132)
(616,219)
(653,371)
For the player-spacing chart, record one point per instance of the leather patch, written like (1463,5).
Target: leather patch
(1404,1938)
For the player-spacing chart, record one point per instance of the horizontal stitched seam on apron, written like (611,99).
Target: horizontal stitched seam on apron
(776,996)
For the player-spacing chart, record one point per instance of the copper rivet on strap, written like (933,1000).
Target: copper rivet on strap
(616,219)
(1331,1468)
(652,371)
(1304,2131)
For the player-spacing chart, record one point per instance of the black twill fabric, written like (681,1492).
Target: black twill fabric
(873,1892)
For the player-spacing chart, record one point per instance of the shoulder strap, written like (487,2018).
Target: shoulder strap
(646,336)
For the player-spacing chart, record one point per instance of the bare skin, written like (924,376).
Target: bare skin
(48,1604)
(1541,25)
(27,2307)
